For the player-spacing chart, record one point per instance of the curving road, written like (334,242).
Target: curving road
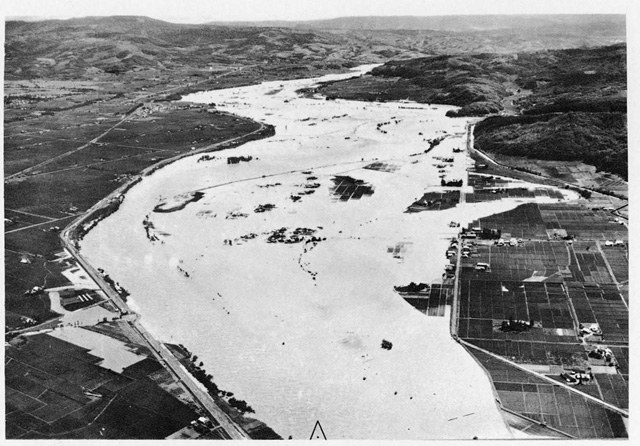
(166,358)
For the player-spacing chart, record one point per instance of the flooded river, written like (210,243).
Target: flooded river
(287,300)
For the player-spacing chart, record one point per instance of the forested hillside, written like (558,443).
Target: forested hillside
(556,105)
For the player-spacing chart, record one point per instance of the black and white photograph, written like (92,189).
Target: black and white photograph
(318,220)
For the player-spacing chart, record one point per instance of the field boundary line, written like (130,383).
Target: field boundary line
(103,409)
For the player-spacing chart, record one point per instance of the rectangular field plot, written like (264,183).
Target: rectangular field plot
(57,407)
(135,163)
(38,239)
(435,303)
(591,266)
(601,304)
(622,358)
(618,259)
(557,407)
(399,250)
(614,388)
(18,401)
(346,188)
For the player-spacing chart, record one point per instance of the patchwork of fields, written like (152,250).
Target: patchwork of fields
(569,289)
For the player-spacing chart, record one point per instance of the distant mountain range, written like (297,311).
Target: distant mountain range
(84,47)
(602,24)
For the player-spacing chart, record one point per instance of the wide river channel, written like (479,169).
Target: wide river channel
(295,329)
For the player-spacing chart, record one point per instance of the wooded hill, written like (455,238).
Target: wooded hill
(556,105)
(576,111)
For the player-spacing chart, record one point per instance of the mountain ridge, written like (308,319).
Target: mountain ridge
(453,23)
(77,47)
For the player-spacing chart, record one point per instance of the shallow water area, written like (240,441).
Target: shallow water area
(287,300)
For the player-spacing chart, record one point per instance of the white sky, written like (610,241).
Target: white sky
(198,11)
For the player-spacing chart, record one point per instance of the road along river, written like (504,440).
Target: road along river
(295,329)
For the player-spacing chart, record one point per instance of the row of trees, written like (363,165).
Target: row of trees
(206,379)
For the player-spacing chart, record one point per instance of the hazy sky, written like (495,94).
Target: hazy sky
(197,11)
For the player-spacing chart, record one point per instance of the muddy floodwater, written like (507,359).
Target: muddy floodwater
(280,276)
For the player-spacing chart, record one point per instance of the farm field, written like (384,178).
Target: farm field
(57,390)
(558,279)
(563,413)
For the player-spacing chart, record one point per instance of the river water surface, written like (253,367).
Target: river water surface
(295,329)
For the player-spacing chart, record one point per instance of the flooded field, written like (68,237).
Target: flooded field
(279,276)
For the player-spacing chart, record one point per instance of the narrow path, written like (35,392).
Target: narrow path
(28,213)
(39,224)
